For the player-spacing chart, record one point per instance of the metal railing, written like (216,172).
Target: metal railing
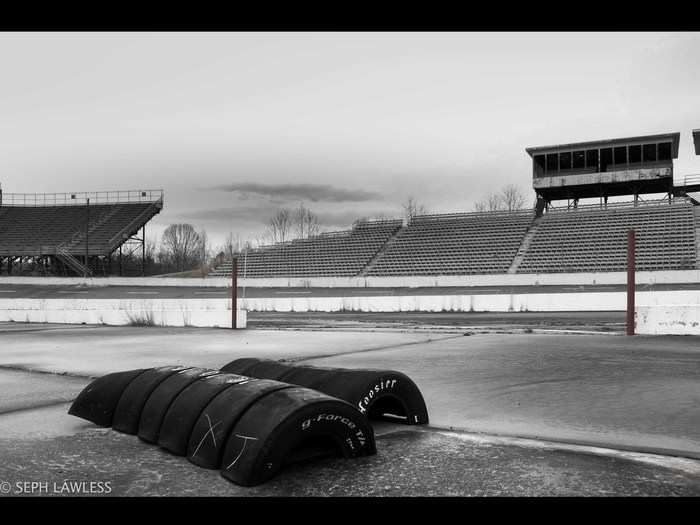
(473,214)
(71,261)
(78,198)
(618,205)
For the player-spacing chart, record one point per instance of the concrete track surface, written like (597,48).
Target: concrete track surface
(511,413)
(34,291)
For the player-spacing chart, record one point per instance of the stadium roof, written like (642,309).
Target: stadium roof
(673,137)
(696,139)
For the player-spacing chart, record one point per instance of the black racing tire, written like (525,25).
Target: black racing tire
(186,408)
(268,369)
(99,399)
(294,424)
(240,366)
(128,411)
(162,396)
(216,420)
(260,368)
(379,394)
(310,376)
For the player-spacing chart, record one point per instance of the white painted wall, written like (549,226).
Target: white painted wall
(673,319)
(670,277)
(671,312)
(164,312)
(535,302)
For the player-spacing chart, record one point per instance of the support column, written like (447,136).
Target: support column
(234,293)
(143,251)
(87,235)
(631,247)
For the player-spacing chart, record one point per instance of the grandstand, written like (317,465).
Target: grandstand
(546,239)
(72,233)
(585,239)
(595,240)
(342,253)
(459,244)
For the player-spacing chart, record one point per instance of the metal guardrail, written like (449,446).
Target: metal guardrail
(80,198)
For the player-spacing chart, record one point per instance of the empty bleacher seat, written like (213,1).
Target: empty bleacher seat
(335,254)
(455,244)
(595,239)
(38,230)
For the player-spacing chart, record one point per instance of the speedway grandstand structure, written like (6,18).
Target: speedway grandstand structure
(568,238)
(86,234)
(76,233)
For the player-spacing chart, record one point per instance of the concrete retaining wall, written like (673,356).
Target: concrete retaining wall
(161,312)
(536,302)
(675,276)
(673,313)
(674,319)
(668,312)
(443,303)
(671,276)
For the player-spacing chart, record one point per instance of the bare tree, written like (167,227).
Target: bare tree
(279,226)
(306,222)
(204,250)
(412,207)
(232,245)
(512,198)
(181,247)
(509,198)
(492,202)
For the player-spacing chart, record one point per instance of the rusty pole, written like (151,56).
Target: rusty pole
(630,280)
(234,292)
(87,236)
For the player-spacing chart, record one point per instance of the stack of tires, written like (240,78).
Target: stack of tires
(249,428)
(252,417)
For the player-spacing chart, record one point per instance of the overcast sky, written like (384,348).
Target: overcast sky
(235,126)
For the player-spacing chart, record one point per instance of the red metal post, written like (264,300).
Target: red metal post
(234,292)
(630,280)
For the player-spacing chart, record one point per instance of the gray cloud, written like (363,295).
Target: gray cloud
(254,217)
(311,192)
(258,213)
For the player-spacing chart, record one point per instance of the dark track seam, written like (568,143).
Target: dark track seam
(658,451)
(35,371)
(34,407)
(386,347)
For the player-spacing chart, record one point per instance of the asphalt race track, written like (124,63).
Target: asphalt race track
(203,292)
(511,414)
(446,322)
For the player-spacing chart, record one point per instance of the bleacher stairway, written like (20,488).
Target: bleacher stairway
(66,258)
(380,253)
(524,245)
